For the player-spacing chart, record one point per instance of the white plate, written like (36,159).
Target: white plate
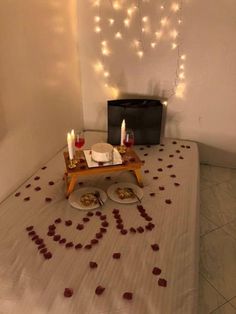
(111,192)
(74,198)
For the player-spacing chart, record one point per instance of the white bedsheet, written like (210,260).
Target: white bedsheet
(31,284)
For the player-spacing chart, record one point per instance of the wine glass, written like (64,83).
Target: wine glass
(129,138)
(79,142)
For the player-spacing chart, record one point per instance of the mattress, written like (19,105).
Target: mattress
(146,270)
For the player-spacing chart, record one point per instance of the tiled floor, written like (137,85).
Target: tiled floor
(218,240)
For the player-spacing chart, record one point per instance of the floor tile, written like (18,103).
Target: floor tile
(225,309)
(206,225)
(217,206)
(229,188)
(213,174)
(209,298)
(217,261)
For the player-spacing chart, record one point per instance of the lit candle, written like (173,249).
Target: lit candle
(72,133)
(70,146)
(122,133)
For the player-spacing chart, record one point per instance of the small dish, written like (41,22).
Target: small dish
(74,198)
(111,192)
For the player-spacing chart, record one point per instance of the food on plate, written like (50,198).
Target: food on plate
(124,193)
(88,199)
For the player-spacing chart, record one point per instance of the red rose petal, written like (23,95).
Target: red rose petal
(93,265)
(155,178)
(160,169)
(80,183)
(161,188)
(116,255)
(99,290)
(152,194)
(35,238)
(160,159)
(56,237)
(51,227)
(155,247)
(181,157)
(132,230)
(47,255)
(173,176)
(143,161)
(188,147)
(156,271)
(69,244)
(68,223)
(103,230)
(43,168)
(162,282)
(183,146)
(80,227)
(105,224)
(141,148)
(108,178)
(140,207)
(68,292)
(148,218)
(36,178)
(62,241)
(120,226)
(171,156)
(177,151)
(162,144)
(94,241)
(161,150)
(48,199)
(174,142)
(169,166)
(88,246)
(146,171)
(117,216)
(99,235)
(103,217)
(90,214)
(39,241)
(17,194)
(168,201)
(98,213)
(27,186)
(146,154)
(38,188)
(128,296)
(41,246)
(78,246)
(51,233)
(140,229)
(86,219)
(51,183)
(101,163)
(31,233)
(115,211)
(176,184)
(58,220)
(26,199)
(29,228)
(123,231)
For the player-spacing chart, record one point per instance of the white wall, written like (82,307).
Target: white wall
(207,112)
(39,85)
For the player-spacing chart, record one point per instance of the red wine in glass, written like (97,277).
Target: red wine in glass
(129,139)
(79,142)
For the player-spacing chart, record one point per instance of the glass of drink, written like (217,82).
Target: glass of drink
(79,142)
(129,138)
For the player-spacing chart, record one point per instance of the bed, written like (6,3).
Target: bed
(152,268)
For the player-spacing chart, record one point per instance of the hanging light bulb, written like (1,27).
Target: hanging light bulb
(153,44)
(98,66)
(173,33)
(140,53)
(162,7)
(158,34)
(181,75)
(164,21)
(106,74)
(97,18)
(127,22)
(105,51)
(118,35)
(175,7)
(173,46)
(97,29)
(145,19)
(111,21)
(183,57)
(116,5)
(181,67)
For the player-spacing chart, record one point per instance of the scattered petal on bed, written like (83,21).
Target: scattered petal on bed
(68,292)
(116,255)
(68,223)
(156,271)
(128,295)
(93,265)
(155,247)
(162,282)
(99,290)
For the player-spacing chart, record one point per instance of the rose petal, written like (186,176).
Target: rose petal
(108,178)
(31,233)
(80,183)
(51,233)
(29,228)
(26,199)
(69,244)
(99,235)
(161,150)
(181,157)
(141,148)
(36,178)
(128,296)
(132,230)
(123,231)
(115,211)
(177,151)
(162,144)
(155,178)
(156,271)
(38,188)
(162,282)
(161,188)
(160,159)
(140,207)
(183,146)
(143,161)
(146,154)
(173,176)
(51,227)
(94,241)
(80,227)
(43,168)
(103,230)
(171,156)
(174,142)
(47,255)
(86,219)
(58,220)
(51,183)
(56,237)
(105,224)
(103,217)
(62,241)
(98,213)
(68,223)
(152,194)
(160,169)
(39,241)
(35,238)
(88,246)
(99,290)
(140,229)
(48,199)
(78,246)
(176,184)
(116,255)
(68,292)
(27,186)
(90,214)
(43,250)
(188,147)
(170,166)
(146,171)
(120,226)
(155,247)
(93,265)
(168,201)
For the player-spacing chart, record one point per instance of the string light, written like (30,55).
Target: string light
(127,22)
(118,35)
(175,7)
(111,21)
(174,46)
(164,21)
(97,29)
(153,45)
(97,18)
(140,53)
(116,5)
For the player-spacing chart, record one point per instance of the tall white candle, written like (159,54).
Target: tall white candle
(70,146)
(72,133)
(122,133)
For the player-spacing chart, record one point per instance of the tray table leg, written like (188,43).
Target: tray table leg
(70,184)
(138,175)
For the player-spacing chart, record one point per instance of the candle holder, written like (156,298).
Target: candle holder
(72,164)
